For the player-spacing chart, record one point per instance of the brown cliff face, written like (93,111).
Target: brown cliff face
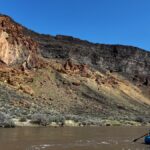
(15,47)
(71,75)
(130,62)
(19,45)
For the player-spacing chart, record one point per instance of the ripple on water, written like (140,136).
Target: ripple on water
(79,143)
(85,143)
(40,147)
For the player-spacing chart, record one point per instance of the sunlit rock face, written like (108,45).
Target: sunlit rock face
(10,54)
(18,45)
(15,46)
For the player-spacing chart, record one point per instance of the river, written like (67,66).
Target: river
(72,138)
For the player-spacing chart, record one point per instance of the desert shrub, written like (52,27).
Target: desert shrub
(5,121)
(9,124)
(139,119)
(23,119)
(40,119)
(29,116)
(2,117)
(75,118)
(56,118)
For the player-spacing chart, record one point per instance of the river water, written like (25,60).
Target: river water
(73,138)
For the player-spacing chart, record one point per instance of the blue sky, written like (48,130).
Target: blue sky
(101,21)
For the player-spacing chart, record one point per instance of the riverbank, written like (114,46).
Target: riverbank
(28,123)
(72,123)
(59,120)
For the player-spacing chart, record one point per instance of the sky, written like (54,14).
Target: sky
(124,22)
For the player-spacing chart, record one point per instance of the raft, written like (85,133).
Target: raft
(147,139)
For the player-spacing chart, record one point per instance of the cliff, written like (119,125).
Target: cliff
(68,76)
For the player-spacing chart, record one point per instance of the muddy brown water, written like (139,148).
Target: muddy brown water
(72,138)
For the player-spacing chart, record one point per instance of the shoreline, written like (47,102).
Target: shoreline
(43,120)
(72,123)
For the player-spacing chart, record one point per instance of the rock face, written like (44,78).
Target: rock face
(131,62)
(63,74)
(15,46)
(19,46)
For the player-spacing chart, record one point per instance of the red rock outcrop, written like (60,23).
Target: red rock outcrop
(15,46)
(72,68)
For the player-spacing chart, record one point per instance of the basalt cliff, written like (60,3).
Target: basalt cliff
(63,76)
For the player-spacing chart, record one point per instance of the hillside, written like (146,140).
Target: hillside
(67,77)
